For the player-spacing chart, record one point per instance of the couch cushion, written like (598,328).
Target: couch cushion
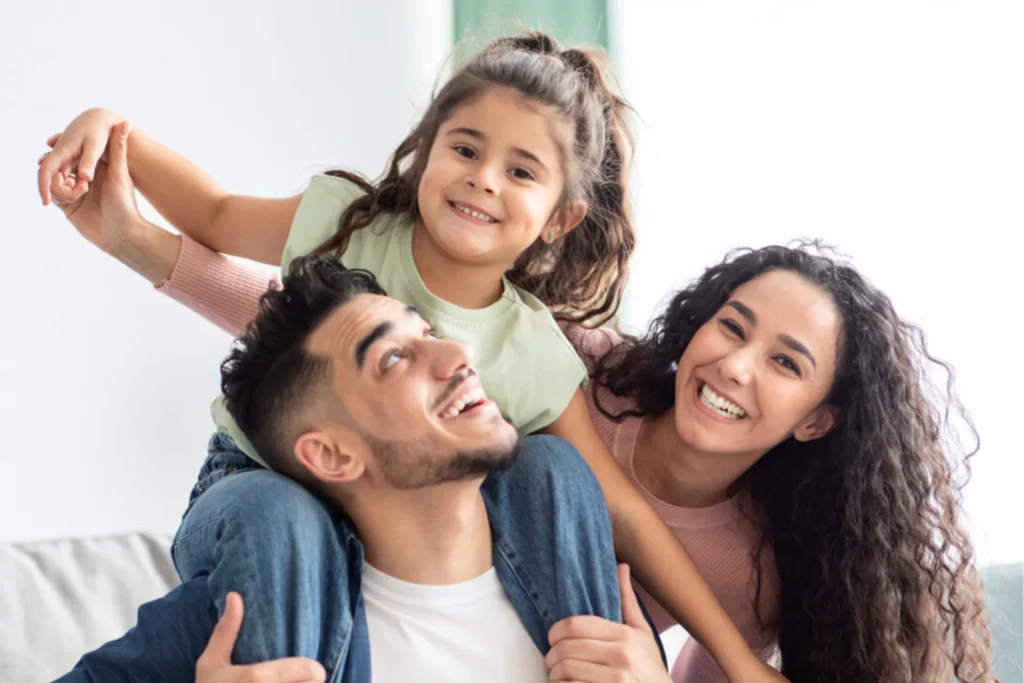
(61,599)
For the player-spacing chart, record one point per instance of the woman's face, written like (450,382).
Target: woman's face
(758,371)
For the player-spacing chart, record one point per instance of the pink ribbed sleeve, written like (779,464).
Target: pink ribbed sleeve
(224,291)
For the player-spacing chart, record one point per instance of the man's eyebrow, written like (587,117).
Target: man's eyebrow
(376,333)
(366,342)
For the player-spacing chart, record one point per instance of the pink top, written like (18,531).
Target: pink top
(719,539)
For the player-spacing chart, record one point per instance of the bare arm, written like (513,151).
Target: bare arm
(194,203)
(658,560)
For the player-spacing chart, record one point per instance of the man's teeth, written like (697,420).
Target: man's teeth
(468,398)
(475,214)
(720,405)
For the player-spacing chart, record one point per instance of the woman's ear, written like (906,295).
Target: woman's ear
(817,424)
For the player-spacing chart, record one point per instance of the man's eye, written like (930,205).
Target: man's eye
(390,359)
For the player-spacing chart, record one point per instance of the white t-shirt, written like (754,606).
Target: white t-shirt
(463,632)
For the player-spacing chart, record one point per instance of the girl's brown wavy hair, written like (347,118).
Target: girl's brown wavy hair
(581,275)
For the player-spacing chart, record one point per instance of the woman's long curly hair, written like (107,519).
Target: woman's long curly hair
(875,570)
(581,275)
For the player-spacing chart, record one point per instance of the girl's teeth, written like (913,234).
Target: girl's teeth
(474,214)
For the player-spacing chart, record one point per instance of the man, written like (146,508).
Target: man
(386,556)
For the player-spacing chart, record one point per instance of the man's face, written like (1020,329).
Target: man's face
(414,399)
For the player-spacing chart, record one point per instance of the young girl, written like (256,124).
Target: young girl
(507,199)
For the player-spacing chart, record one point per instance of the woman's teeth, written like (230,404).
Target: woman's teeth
(468,398)
(475,214)
(720,405)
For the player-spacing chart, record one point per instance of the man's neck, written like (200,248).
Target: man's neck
(438,535)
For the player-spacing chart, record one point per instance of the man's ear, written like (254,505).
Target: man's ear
(818,423)
(564,221)
(332,455)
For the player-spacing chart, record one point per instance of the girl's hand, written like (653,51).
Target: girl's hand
(103,211)
(75,154)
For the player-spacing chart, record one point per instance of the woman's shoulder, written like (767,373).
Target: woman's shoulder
(592,343)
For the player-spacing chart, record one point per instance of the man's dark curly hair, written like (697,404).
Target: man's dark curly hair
(270,374)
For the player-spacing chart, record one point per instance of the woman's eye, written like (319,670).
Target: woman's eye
(733,327)
(788,363)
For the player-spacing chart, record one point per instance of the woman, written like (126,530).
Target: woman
(779,417)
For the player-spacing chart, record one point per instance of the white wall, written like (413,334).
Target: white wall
(892,128)
(105,385)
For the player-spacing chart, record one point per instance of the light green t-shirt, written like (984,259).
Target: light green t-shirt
(525,363)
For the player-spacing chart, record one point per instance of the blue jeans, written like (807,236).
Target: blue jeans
(297,563)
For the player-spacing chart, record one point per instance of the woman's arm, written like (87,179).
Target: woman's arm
(223,290)
(658,560)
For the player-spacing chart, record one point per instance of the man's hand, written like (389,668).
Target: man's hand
(595,650)
(214,666)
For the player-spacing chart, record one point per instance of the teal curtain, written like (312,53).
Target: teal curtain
(572,22)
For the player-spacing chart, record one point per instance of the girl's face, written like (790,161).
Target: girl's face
(758,371)
(494,180)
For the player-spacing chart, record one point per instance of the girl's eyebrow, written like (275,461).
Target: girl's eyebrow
(479,135)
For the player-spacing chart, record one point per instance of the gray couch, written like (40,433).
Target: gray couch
(60,599)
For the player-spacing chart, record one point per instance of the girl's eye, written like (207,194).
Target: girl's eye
(521,173)
(733,327)
(789,364)
(430,334)
(464,151)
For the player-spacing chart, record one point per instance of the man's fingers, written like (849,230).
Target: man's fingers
(606,653)
(225,633)
(632,615)
(575,670)
(290,670)
(594,628)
